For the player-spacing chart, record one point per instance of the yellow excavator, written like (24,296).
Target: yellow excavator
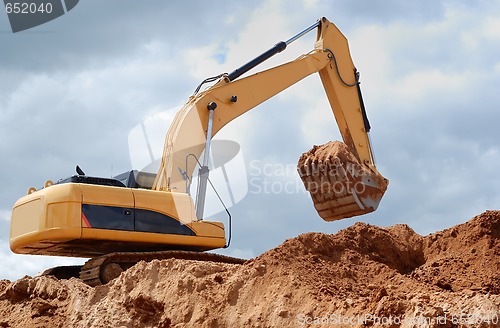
(142,216)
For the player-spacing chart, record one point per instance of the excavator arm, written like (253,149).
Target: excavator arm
(208,111)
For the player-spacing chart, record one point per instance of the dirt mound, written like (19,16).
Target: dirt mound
(465,256)
(362,276)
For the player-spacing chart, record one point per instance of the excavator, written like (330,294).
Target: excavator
(117,222)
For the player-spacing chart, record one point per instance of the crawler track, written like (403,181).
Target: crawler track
(102,269)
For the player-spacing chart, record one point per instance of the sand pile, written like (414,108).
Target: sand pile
(362,276)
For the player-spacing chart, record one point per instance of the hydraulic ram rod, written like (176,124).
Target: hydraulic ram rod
(278,47)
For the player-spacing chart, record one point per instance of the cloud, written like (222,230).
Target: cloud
(71,91)
(4,215)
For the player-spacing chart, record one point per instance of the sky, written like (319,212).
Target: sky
(73,90)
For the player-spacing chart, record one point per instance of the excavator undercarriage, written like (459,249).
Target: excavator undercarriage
(101,270)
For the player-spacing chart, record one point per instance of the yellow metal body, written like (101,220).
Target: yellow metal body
(50,222)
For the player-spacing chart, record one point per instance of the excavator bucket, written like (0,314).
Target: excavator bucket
(339,185)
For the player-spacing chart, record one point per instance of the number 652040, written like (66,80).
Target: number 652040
(28,8)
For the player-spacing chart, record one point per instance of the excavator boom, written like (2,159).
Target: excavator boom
(207,112)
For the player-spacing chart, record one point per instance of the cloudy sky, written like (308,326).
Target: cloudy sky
(73,90)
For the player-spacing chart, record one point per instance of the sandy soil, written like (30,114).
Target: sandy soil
(362,276)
